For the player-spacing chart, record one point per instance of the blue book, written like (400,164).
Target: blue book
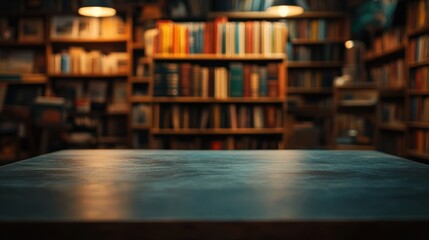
(256,4)
(235,79)
(263,81)
(65,63)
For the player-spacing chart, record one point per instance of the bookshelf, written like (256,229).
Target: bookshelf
(417,94)
(386,64)
(88,65)
(315,58)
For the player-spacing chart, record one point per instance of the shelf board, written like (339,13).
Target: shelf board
(392,92)
(140,127)
(385,54)
(219,131)
(296,90)
(267,15)
(354,147)
(303,41)
(214,100)
(313,112)
(419,92)
(358,86)
(419,125)
(113,75)
(138,45)
(141,99)
(13,82)
(314,64)
(90,40)
(413,153)
(220,57)
(419,64)
(136,79)
(22,44)
(357,103)
(418,31)
(393,127)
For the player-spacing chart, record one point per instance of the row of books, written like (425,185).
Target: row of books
(232,116)
(419,78)
(389,75)
(419,14)
(76,60)
(221,37)
(21,61)
(311,78)
(392,143)
(390,39)
(419,141)
(218,143)
(79,95)
(141,114)
(419,48)
(316,29)
(328,52)
(392,113)
(87,27)
(419,109)
(238,80)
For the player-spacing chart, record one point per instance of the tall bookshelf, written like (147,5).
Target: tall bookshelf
(22,78)
(226,95)
(386,66)
(418,67)
(315,58)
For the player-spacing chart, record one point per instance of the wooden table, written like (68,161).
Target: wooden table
(114,194)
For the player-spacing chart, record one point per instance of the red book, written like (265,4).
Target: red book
(273,85)
(247,92)
(185,80)
(216,145)
(249,37)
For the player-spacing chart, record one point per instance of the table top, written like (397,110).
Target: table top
(158,185)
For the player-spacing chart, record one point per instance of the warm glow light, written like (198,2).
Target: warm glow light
(349,44)
(97,11)
(284,10)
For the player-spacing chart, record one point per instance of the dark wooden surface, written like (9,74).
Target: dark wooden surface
(221,194)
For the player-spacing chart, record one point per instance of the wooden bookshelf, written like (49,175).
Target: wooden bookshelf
(418,26)
(354,147)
